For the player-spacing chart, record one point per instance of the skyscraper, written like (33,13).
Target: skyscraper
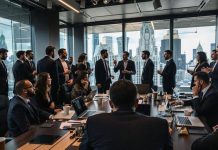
(95,41)
(180,59)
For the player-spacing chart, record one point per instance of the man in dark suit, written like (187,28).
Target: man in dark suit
(205,99)
(102,73)
(20,69)
(126,67)
(46,64)
(62,77)
(124,128)
(148,69)
(213,57)
(21,113)
(3,92)
(213,70)
(208,142)
(31,67)
(168,73)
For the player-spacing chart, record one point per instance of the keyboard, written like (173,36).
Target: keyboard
(183,120)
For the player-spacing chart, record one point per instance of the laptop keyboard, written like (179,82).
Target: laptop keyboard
(184,120)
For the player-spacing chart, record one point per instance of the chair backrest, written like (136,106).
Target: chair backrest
(143,88)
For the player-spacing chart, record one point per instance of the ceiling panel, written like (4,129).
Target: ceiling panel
(122,9)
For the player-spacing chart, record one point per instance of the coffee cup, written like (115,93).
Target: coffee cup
(187,112)
(2,143)
(66,110)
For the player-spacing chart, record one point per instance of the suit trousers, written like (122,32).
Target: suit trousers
(104,87)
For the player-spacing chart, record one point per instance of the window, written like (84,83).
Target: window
(149,35)
(63,38)
(104,37)
(14,36)
(191,35)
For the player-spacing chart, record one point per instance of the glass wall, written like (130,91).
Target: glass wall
(147,36)
(63,38)
(191,35)
(104,37)
(14,36)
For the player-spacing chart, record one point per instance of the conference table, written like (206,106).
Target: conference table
(180,142)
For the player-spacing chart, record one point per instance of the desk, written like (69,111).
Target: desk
(179,142)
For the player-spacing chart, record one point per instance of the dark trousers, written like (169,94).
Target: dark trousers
(104,87)
(4,102)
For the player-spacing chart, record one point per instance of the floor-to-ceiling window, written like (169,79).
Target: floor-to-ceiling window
(104,37)
(151,36)
(63,38)
(15,34)
(191,35)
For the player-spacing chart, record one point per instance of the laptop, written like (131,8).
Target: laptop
(90,96)
(188,121)
(81,110)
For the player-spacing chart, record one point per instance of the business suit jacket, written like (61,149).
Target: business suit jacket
(198,68)
(20,71)
(100,72)
(126,130)
(21,116)
(59,73)
(130,67)
(169,76)
(148,73)
(208,142)
(46,64)
(212,64)
(3,79)
(214,76)
(30,68)
(206,107)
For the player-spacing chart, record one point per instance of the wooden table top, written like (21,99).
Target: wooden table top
(180,142)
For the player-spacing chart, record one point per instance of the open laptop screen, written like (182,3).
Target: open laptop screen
(79,105)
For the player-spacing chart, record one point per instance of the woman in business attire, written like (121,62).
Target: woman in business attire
(82,85)
(42,99)
(201,63)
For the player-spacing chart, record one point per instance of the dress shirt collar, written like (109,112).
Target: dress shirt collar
(169,59)
(204,91)
(26,100)
(146,60)
(62,60)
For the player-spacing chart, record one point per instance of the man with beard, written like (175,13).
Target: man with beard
(3,91)
(31,67)
(62,78)
(46,64)
(21,113)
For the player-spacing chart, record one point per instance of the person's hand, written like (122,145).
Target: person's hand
(34,73)
(52,105)
(69,82)
(57,110)
(196,90)
(206,70)
(99,85)
(170,130)
(115,62)
(159,72)
(178,102)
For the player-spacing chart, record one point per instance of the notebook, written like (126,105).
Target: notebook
(81,110)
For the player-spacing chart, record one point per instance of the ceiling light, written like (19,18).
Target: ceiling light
(106,1)
(69,6)
(157,4)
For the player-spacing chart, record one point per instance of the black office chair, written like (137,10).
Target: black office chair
(143,88)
